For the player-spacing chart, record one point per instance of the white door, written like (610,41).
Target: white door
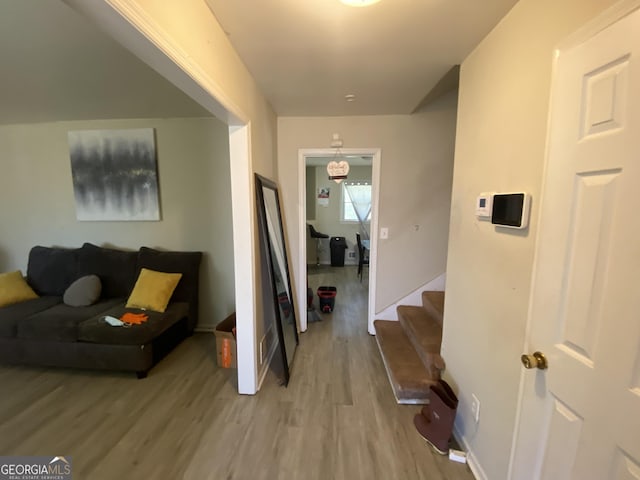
(580,418)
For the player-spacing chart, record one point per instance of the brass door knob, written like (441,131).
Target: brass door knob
(537,360)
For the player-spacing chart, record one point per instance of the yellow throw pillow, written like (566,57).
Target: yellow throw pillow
(153,290)
(14,289)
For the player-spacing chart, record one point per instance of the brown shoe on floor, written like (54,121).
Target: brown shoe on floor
(446,389)
(422,426)
(435,422)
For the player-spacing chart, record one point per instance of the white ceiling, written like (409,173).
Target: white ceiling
(56,66)
(306,55)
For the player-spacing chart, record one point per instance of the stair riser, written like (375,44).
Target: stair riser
(433,303)
(425,344)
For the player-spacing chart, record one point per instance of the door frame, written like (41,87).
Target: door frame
(303,153)
(527,448)
(132,27)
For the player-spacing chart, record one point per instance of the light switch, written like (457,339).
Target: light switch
(384,233)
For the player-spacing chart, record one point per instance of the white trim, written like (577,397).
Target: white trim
(414,298)
(301,280)
(130,25)
(242,193)
(602,21)
(301,284)
(472,461)
(523,374)
(205,329)
(373,251)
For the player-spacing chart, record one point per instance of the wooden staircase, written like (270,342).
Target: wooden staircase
(410,348)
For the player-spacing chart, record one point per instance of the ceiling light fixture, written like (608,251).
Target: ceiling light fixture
(359,3)
(337,170)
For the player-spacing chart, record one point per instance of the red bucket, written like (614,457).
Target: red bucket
(327,296)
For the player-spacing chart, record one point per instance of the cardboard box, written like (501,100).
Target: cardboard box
(226,342)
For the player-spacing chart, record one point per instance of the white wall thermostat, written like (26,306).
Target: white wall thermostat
(484,205)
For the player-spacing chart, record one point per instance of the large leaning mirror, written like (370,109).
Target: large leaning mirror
(273,242)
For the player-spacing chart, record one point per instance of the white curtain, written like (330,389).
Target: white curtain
(360,196)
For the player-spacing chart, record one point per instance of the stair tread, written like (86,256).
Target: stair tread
(407,374)
(433,302)
(423,331)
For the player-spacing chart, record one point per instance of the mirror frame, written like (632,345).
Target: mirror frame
(262,182)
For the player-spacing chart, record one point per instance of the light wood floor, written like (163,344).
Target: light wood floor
(336,420)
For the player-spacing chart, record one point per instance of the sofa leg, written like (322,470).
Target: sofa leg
(142,374)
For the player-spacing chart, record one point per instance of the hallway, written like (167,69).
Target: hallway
(337,419)
(338,373)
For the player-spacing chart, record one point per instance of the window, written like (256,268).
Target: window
(356,197)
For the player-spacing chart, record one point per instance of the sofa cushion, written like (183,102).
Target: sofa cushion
(12,314)
(83,292)
(51,270)
(153,290)
(96,330)
(187,263)
(14,289)
(60,322)
(116,268)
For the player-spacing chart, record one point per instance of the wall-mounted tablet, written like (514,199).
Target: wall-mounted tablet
(511,210)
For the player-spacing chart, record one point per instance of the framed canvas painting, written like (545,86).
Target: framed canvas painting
(115,175)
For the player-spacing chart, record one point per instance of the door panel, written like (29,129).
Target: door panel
(586,290)
(604,92)
(564,434)
(626,468)
(586,261)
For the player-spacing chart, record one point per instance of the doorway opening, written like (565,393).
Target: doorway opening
(331,216)
(154,47)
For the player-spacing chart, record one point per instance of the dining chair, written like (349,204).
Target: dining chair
(363,256)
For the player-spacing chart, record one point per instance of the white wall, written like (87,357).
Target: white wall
(190,26)
(37,203)
(500,146)
(415,186)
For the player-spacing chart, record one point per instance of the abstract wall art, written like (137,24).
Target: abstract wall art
(115,175)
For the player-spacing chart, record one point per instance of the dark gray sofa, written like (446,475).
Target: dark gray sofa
(47,332)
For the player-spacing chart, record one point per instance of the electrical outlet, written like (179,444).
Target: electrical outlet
(352,254)
(475,408)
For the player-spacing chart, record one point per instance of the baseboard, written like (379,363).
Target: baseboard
(472,461)
(414,298)
(347,263)
(205,329)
